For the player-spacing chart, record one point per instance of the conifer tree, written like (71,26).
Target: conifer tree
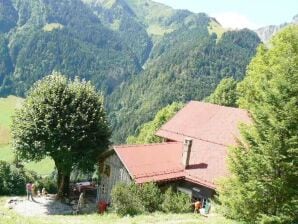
(263,185)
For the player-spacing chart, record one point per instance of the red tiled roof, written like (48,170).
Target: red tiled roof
(152,162)
(212,129)
(205,121)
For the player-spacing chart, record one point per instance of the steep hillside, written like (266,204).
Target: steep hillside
(141,54)
(66,36)
(189,71)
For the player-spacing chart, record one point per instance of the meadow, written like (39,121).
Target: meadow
(8,106)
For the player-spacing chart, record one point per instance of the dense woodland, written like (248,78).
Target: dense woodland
(142,55)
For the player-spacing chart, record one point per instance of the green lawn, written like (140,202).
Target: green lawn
(6,153)
(7,109)
(10,217)
(43,168)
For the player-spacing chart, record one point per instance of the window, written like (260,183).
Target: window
(107,170)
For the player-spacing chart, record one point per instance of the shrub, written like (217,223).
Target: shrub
(12,179)
(48,183)
(151,197)
(176,202)
(126,200)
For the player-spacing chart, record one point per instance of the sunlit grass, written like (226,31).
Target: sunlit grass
(10,217)
(52,26)
(216,28)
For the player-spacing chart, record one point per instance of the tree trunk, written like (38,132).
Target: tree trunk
(63,180)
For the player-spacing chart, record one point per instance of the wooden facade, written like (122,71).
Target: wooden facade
(112,171)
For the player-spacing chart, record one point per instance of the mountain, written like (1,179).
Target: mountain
(265,33)
(141,54)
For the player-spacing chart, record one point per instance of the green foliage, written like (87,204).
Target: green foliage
(225,93)
(62,119)
(13,179)
(8,16)
(48,183)
(263,187)
(81,46)
(125,200)
(135,199)
(151,196)
(176,202)
(148,130)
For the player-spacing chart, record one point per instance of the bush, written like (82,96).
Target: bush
(176,202)
(126,200)
(48,183)
(12,179)
(151,197)
(135,199)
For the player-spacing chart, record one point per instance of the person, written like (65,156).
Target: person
(29,190)
(33,189)
(44,192)
(198,206)
(205,211)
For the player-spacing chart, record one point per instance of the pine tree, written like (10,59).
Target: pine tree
(263,185)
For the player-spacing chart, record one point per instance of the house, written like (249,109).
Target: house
(192,156)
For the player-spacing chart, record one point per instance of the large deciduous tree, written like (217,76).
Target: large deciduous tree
(263,185)
(65,120)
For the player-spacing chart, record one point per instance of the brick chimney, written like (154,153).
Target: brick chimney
(186,152)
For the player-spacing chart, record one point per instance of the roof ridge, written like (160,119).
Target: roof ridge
(147,144)
(178,133)
(233,108)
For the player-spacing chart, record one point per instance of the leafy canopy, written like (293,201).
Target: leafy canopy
(263,187)
(62,119)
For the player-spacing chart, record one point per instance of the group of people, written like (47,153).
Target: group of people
(31,191)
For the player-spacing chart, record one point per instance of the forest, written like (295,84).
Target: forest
(141,55)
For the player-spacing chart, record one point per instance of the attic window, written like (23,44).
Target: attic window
(107,170)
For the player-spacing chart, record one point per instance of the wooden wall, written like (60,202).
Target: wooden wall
(112,172)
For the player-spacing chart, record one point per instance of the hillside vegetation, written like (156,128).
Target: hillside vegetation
(141,54)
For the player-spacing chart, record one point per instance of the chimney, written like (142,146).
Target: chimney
(186,152)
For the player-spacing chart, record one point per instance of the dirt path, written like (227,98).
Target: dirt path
(39,207)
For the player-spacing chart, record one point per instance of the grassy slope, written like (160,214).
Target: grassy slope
(9,217)
(7,108)
(216,28)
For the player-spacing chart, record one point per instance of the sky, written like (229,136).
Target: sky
(252,14)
